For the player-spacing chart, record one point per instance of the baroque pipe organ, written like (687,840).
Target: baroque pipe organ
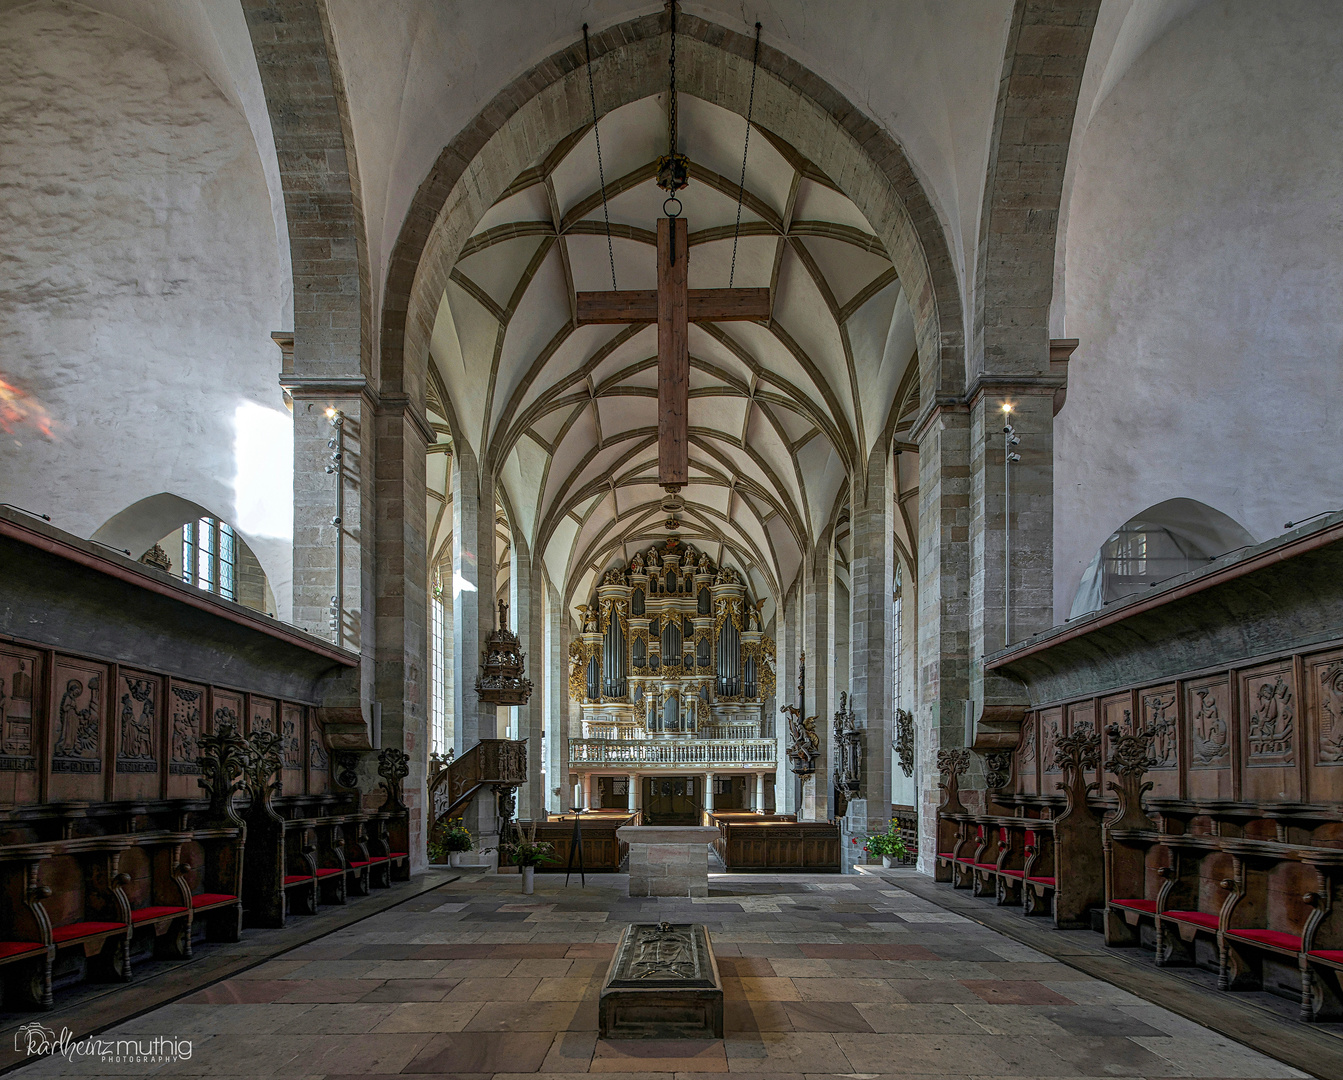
(672,652)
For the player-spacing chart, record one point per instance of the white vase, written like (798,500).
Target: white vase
(886,861)
(455,858)
(528,879)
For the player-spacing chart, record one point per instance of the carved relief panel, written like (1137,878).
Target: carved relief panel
(262,715)
(227,708)
(1208,736)
(186,709)
(292,736)
(138,714)
(1269,731)
(1028,777)
(319,759)
(1082,717)
(20,688)
(1051,730)
(1159,707)
(1324,684)
(77,728)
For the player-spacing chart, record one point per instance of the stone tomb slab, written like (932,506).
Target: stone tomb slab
(663,983)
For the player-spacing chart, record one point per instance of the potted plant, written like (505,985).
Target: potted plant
(889,845)
(527,852)
(453,840)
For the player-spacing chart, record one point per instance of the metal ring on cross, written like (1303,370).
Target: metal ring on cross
(666,206)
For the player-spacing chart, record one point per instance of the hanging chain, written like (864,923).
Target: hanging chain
(741,188)
(673,169)
(601,174)
(671,100)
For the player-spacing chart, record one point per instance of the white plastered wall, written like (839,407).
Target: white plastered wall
(141,282)
(1204,265)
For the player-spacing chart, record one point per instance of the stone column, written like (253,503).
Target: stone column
(401,670)
(873,640)
(315,534)
(555,692)
(759,792)
(473,514)
(636,791)
(525,593)
(473,590)
(1021,516)
(589,791)
(943,598)
(560,732)
(708,791)
(816,644)
(785,783)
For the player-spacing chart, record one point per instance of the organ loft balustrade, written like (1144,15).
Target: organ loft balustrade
(759,752)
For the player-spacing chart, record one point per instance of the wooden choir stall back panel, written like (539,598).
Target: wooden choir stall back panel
(1183,748)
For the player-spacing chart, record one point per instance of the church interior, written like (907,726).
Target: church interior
(671,537)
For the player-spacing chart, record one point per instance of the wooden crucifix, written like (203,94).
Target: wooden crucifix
(673,305)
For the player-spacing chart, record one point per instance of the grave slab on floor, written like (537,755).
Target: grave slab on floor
(663,983)
(668,860)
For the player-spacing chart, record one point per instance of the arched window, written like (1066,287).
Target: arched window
(1170,538)
(210,556)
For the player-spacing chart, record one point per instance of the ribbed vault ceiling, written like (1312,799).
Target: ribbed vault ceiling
(566,416)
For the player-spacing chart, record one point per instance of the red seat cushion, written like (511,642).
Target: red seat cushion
(987,865)
(84,929)
(1043,880)
(17,948)
(1333,956)
(1013,873)
(290,879)
(326,871)
(379,858)
(1275,938)
(944,855)
(400,854)
(1198,918)
(358,862)
(207,899)
(147,914)
(1148,906)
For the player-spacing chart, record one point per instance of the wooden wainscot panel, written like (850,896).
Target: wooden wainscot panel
(319,758)
(1324,680)
(1051,730)
(1208,733)
(139,734)
(1082,717)
(227,707)
(186,708)
(262,715)
(1159,705)
(1268,721)
(1116,712)
(20,716)
(78,730)
(291,746)
(1028,775)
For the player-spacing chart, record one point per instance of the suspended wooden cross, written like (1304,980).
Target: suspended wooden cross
(673,305)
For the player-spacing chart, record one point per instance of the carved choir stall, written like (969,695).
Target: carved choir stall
(672,671)
(165,769)
(1179,774)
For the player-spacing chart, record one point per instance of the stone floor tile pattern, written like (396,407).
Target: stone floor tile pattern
(822,978)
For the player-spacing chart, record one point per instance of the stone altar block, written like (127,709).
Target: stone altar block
(668,860)
(663,983)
